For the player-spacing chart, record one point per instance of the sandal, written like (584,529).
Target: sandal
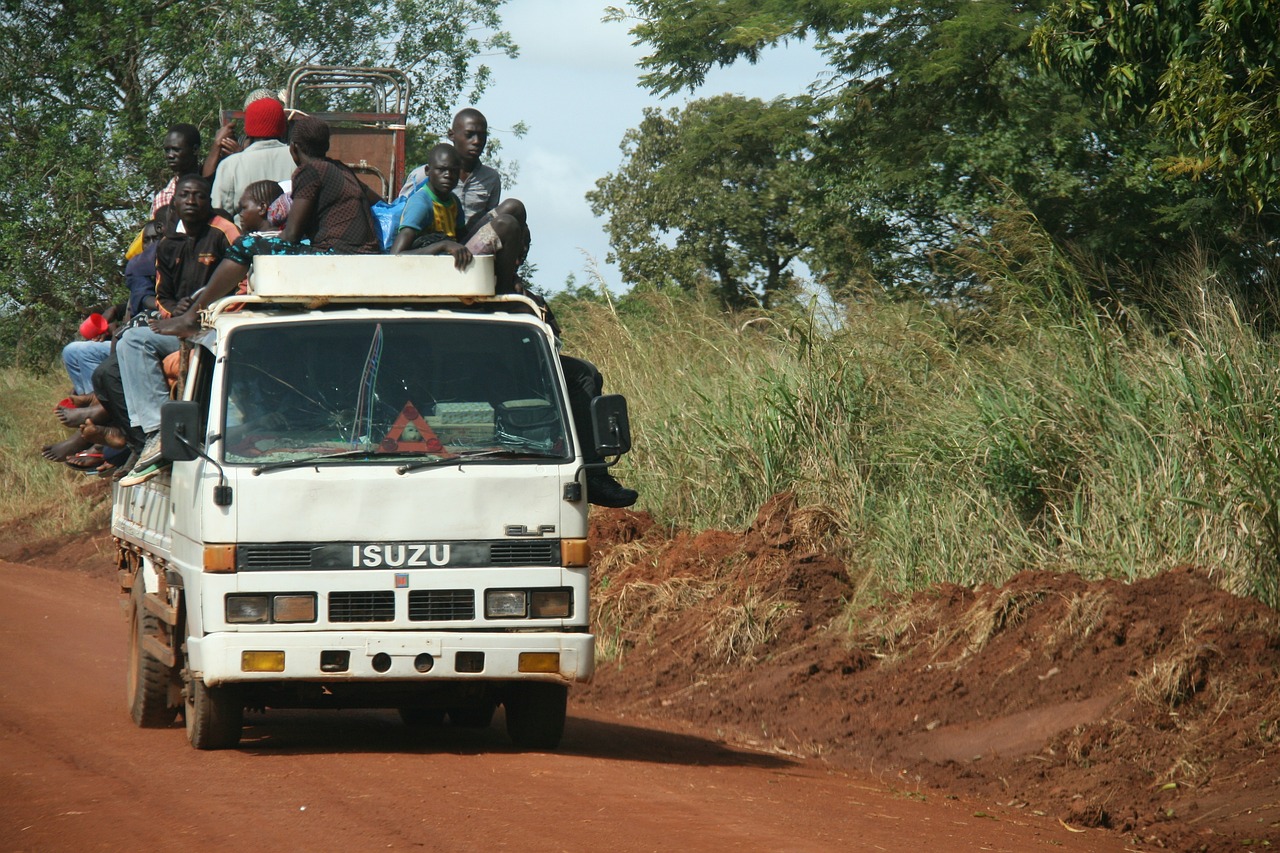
(86,460)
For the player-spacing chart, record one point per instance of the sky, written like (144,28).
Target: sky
(575,86)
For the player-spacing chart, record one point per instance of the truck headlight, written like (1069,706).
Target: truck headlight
(261,609)
(294,608)
(551,603)
(248,609)
(505,603)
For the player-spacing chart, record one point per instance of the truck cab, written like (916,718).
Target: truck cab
(376,499)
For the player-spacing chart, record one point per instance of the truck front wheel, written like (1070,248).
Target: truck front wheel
(535,714)
(214,715)
(147,682)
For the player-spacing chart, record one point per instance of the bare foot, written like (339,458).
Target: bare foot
(109,435)
(181,325)
(75,417)
(60,451)
(82,399)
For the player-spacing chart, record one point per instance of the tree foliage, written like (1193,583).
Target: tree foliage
(1206,73)
(90,87)
(929,117)
(710,193)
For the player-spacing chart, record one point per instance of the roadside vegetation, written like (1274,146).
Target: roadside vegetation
(1026,428)
(947,442)
(40,499)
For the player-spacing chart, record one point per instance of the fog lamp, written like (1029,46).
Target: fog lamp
(505,603)
(539,661)
(262,661)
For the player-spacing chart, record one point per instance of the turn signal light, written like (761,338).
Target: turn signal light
(575,553)
(220,559)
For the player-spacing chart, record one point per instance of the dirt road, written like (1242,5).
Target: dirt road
(77,775)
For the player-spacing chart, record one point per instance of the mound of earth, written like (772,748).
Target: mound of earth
(1149,708)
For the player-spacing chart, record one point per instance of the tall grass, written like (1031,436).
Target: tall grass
(1026,430)
(40,499)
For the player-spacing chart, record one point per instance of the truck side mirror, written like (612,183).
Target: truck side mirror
(611,425)
(179,419)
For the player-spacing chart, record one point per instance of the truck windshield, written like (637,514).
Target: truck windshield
(431,387)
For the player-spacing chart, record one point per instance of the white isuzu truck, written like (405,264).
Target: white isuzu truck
(376,500)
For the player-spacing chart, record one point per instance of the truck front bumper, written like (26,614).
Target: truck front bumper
(382,656)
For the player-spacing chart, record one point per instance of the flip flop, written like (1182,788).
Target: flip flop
(85,460)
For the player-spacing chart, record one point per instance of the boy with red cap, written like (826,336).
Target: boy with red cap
(266,157)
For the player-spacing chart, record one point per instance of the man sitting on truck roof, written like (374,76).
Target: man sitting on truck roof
(185,260)
(330,208)
(479,186)
(433,222)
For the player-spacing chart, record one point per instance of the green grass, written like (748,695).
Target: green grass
(1026,431)
(40,499)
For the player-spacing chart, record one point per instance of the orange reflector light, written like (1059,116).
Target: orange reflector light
(539,661)
(262,661)
(575,553)
(220,559)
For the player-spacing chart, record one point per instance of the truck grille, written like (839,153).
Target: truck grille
(441,605)
(277,557)
(375,606)
(524,552)
(464,554)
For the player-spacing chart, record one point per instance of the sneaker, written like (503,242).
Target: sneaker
(604,490)
(150,453)
(141,473)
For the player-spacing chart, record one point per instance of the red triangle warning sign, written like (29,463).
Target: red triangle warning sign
(411,432)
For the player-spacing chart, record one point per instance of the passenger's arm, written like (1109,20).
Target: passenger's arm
(295,228)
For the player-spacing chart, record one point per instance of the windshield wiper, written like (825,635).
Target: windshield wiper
(334,458)
(472,456)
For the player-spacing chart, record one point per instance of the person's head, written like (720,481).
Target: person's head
(181,146)
(469,134)
(258,94)
(153,230)
(191,201)
(443,168)
(264,119)
(162,217)
(309,139)
(254,202)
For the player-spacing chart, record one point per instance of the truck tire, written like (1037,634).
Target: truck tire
(214,715)
(147,679)
(535,714)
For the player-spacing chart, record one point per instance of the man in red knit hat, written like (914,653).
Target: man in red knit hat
(265,156)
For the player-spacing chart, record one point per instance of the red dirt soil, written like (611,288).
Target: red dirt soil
(1147,708)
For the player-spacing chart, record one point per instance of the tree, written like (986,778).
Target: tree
(89,88)
(930,117)
(1205,73)
(710,193)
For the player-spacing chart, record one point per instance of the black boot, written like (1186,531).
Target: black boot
(604,490)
